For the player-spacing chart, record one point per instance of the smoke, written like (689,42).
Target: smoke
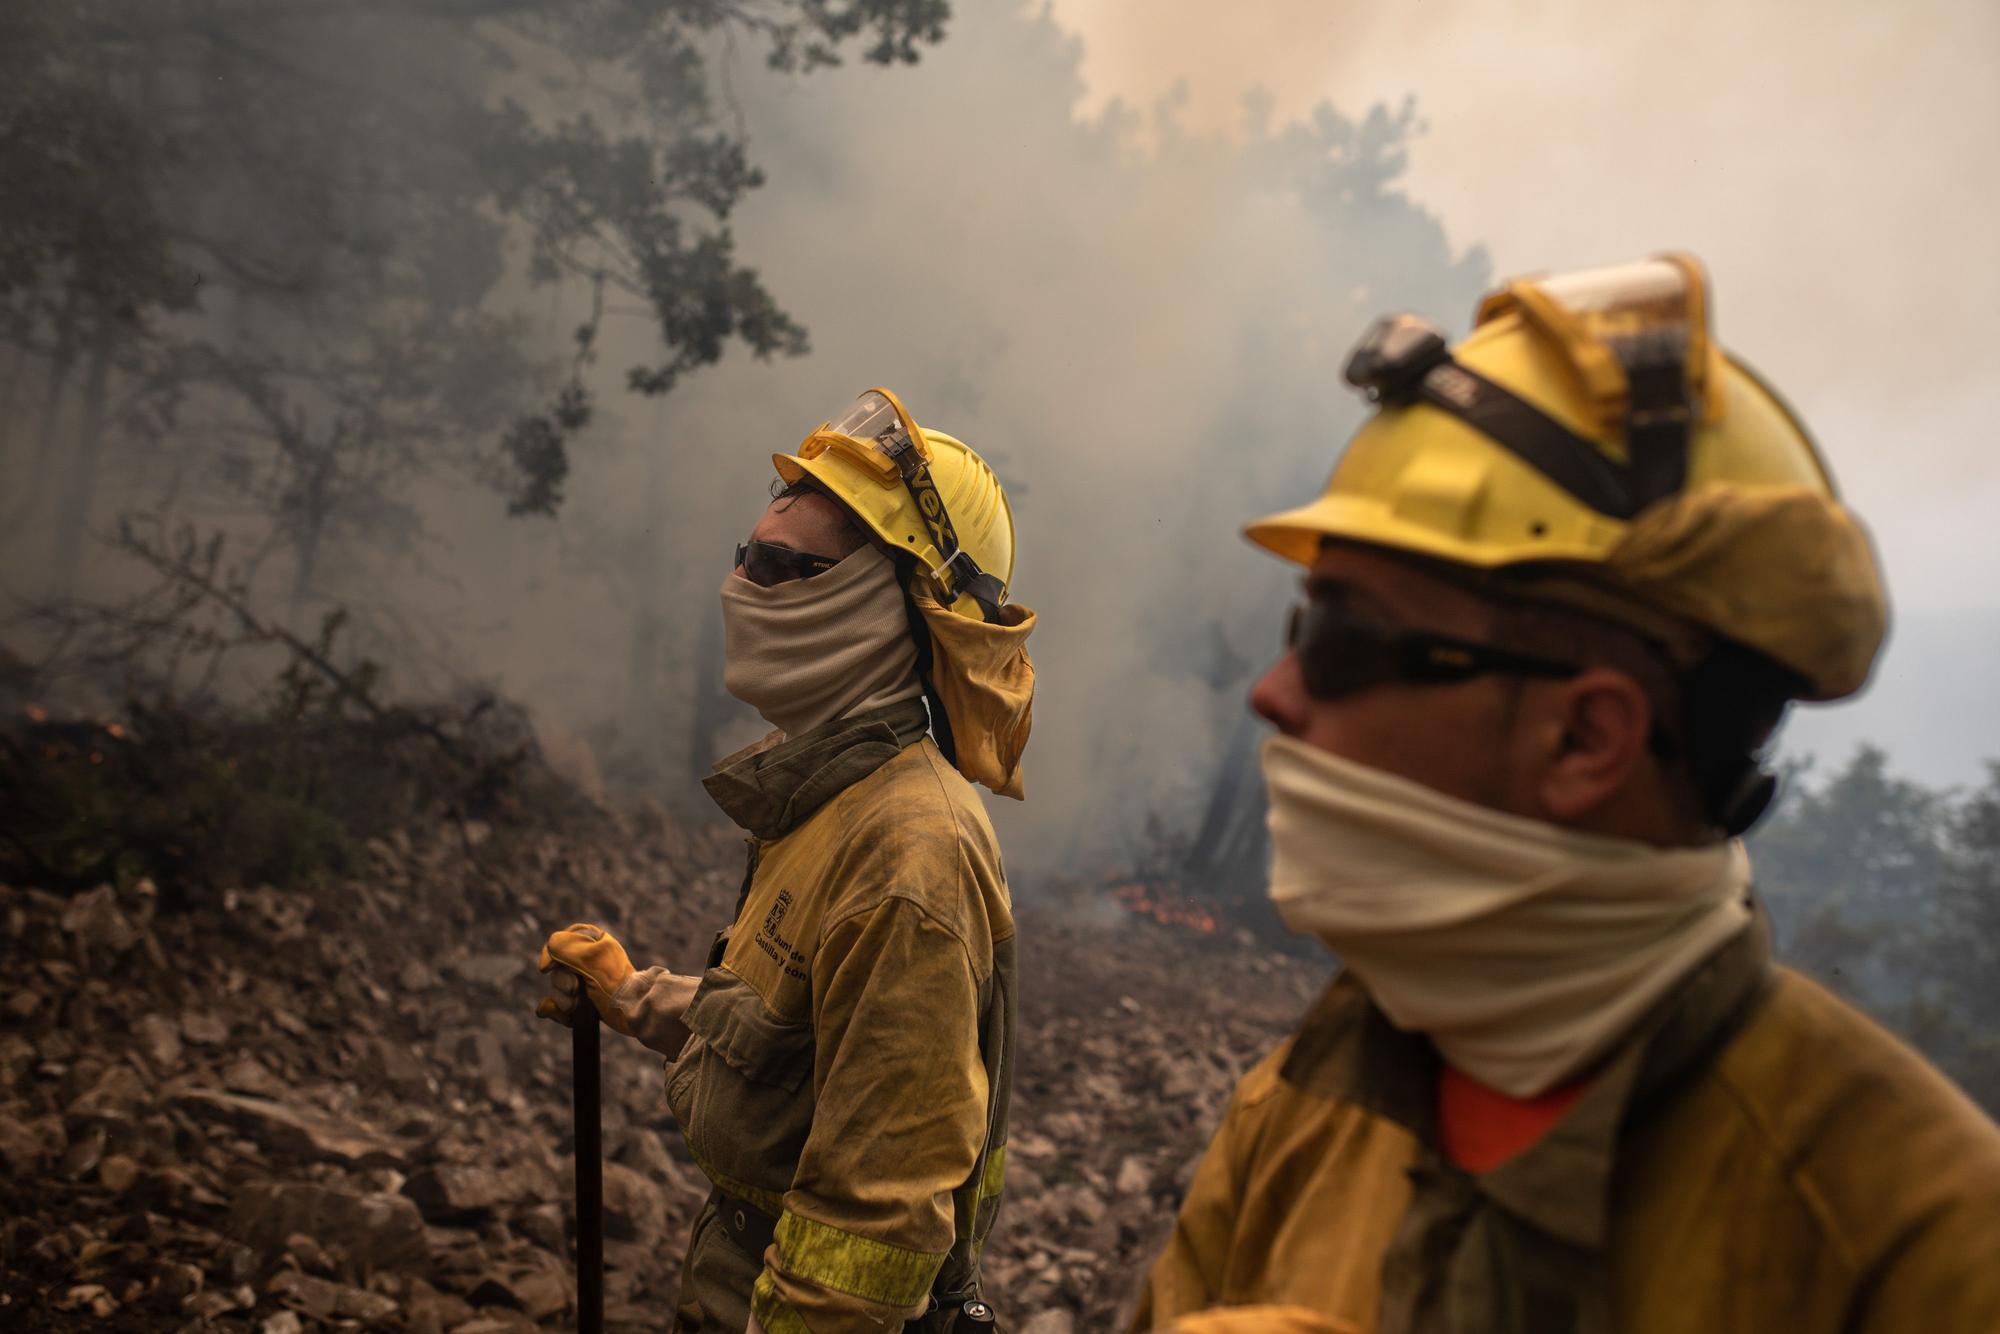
(1122,250)
(1141,332)
(1832,165)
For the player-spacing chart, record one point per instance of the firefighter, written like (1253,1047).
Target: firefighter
(841,1069)
(1558,592)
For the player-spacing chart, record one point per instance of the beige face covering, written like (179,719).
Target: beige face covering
(808,651)
(1524,951)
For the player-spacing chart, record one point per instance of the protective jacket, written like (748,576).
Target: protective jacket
(845,1082)
(1756,1156)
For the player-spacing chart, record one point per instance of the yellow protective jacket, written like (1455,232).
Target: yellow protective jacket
(845,1082)
(1758,1156)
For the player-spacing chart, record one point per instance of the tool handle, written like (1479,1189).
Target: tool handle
(589,1165)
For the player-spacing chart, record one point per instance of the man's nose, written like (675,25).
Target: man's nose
(1280,698)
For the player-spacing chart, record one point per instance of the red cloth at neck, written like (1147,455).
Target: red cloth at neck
(1481,1127)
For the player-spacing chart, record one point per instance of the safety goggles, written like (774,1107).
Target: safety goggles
(1341,653)
(767,563)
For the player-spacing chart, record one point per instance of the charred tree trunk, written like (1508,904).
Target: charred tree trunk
(310,533)
(709,712)
(1226,859)
(16,373)
(60,361)
(80,487)
(646,645)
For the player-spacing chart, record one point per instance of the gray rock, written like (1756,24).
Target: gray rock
(451,1191)
(246,1074)
(98,921)
(543,1225)
(160,1039)
(374,1231)
(288,1128)
(209,1030)
(27,1147)
(635,1209)
(645,1151)
(115,1096)
(1055,1320)
(117,1173)
(538,1290)
(311,1256)
(84,1153)
(1085,1205)
(326,1300)
(490,970)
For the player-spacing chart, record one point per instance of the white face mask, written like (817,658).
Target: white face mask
(808,651)
(1524,951)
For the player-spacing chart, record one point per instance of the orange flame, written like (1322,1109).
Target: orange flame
(1170,910)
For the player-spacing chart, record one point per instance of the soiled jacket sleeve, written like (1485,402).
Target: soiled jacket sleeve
(651,1002)
(898,1123)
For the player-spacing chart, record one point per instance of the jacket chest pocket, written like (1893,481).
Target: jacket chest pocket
(742,1089)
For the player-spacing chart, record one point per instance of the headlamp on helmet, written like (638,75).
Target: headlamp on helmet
(1635,337)
(1392,358)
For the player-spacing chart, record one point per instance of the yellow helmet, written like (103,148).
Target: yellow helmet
(918,491)
(1590,435)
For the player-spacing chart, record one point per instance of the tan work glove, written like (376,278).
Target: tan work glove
(593,954)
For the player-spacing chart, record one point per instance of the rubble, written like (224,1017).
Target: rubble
(286,1111)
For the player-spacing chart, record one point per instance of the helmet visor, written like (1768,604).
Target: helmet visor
(868,432)
(1645,312)
(868,419)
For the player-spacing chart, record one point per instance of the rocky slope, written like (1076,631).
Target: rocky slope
(288,1111)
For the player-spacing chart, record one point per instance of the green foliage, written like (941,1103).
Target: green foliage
(199,798)
(79,167)
(1890,892)
(191,804)
(343,188)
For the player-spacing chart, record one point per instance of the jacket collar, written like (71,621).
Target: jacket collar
(1348,1050)
(770,788)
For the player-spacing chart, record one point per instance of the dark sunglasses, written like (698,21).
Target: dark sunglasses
(766,563)
(1341,653)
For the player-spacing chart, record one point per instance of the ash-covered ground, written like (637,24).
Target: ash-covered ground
(333,1108)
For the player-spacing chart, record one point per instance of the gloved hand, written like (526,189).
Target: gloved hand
(593,954)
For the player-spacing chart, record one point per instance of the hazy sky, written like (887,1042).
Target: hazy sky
(1837,166)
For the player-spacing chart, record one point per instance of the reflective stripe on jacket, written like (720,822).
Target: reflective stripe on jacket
(851,1046)
(1759,1156)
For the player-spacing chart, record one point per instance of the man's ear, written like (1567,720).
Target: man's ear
(1605,722)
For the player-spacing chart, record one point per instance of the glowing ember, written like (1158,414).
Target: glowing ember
(1169,909)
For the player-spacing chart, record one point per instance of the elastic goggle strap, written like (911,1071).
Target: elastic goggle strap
(960,574)
(1400,362)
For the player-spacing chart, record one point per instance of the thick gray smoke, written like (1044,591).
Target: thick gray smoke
(1833,165)
(1139,318)
(1146,345)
